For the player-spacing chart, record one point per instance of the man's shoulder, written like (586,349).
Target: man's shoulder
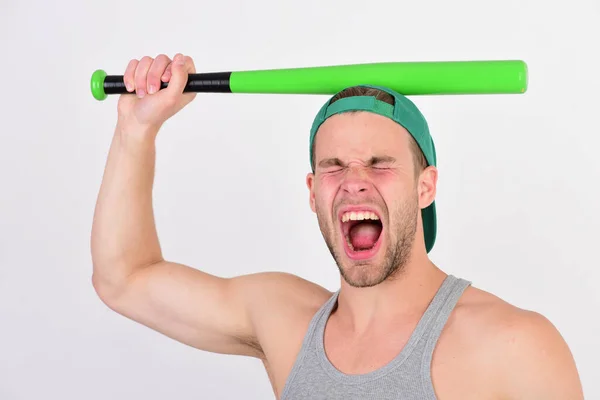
(496,327)
(496,321)
(284,295)
(481,325)
(287,284)
(523,348)
(486,313)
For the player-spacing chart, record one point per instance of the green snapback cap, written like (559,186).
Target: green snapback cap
(403,112)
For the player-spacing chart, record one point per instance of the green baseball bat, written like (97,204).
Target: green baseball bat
(408,78)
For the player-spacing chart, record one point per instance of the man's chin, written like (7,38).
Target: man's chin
(363,273)
(363,280)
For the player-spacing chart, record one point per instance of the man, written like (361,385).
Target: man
(398,328)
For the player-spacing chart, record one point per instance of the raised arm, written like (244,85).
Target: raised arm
(130,274)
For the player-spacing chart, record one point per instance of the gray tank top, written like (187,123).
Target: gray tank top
(406,377)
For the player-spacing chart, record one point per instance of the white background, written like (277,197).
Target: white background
(518,190)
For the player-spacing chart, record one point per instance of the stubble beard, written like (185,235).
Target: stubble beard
(362,274)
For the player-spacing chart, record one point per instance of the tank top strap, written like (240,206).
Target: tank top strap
(441,308)
(308,343)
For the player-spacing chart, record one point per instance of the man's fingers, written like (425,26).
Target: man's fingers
(156,72)
(191,65)
(141,76)
(167,75)
(129,76)
(181,67)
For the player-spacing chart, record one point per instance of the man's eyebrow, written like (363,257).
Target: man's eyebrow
(381,159)
(336,162)
(331,162)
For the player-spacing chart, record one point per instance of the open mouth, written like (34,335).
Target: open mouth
(361,230)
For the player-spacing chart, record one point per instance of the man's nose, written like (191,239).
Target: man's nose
(356,181)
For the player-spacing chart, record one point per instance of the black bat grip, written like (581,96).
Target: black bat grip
(210,82)
(206,82)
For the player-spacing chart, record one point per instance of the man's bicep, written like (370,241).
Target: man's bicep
(538,362)
(193,307)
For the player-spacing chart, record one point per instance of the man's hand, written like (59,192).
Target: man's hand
(150,107)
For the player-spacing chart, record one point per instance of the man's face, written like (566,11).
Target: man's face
(365,195)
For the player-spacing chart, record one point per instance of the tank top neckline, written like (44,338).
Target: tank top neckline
(422,327)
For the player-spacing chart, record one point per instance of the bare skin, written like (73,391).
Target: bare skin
(489,349)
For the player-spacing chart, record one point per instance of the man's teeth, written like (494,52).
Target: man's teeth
(358,216)
(349,243)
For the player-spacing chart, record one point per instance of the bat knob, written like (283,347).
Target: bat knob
(97,85)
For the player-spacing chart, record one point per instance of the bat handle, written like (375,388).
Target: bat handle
(214,82)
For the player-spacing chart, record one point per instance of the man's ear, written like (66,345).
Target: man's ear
(310,183)
(427,186)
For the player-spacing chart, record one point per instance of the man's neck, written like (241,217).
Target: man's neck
(404,297)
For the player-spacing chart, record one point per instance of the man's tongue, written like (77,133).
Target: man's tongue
(364,235)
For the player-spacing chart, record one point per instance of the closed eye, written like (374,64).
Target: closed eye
(382,166)
(335,164)
(382,162)
(333,170)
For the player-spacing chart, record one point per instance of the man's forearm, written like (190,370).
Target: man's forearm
(124,232)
